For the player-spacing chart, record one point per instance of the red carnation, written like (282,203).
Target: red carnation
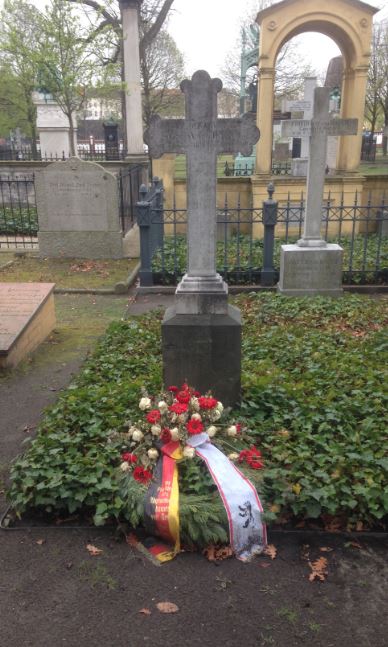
(153,416)
(255,465)
(129,458)
(185,387)
(165,435)
(197,394)
(207,403)
(141,475)
(178,408)
(194,426)
(173,389)
(183,397)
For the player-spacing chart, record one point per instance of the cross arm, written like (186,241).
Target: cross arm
(165,136)
(237,135)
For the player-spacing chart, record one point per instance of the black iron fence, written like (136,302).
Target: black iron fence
(129,183)
(249,239)
(18,213)
(87,152)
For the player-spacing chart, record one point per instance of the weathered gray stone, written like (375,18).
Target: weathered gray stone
(78,210)
(307,271)
(201,136)
(209,352)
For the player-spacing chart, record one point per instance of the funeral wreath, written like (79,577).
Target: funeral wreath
(177,481)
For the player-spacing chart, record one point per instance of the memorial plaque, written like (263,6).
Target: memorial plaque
(27,316)
(78,211)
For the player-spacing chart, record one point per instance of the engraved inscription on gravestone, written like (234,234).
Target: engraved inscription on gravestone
(76,205)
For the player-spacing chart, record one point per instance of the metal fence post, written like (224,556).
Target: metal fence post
(270,214)
(143,213)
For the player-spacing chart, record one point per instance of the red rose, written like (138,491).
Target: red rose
(183,397)
(238,427)
(178,408)
(207,403)
(141,475)
(197,394)
(165,435)
(129,458)
(194,426)
(153,416)
(173,389)
(185,387)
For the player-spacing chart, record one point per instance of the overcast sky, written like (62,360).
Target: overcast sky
(206,30)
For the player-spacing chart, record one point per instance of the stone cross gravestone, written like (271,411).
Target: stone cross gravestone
(313,266)
(201,332)
(78,211)
(201,136)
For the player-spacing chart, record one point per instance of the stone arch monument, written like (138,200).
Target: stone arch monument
(349,24)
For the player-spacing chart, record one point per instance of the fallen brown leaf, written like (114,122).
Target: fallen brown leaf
(40,542)
(318,569)
(264,564)
(93,550)
(167,607)
(216,553)
(325,549)
(271,551)
(145,612)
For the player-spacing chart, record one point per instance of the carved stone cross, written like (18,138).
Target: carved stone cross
(317,129)
(201,136)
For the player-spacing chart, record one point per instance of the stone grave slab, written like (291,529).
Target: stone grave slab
(27,317)
(78,210)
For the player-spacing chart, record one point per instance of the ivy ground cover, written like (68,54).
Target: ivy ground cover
(314,400)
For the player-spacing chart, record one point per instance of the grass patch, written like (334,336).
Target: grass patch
(313,398)
(68,273)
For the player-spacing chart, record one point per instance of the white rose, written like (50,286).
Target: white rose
(220,407)
(155,430)
(194,403)
(211,431)
(174,433)
(137,435)
(189,452)
(233,456)
(232,430)
(125,467)
(162,406)
(182,417)
(153,454)
(216,414)
(196,416)
(145,403)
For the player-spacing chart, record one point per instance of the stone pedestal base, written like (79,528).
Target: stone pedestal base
(205,351)
(80,244)
(310,271)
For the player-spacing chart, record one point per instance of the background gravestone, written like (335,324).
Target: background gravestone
(78,211)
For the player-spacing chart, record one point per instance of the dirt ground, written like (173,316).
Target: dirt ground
(53,592)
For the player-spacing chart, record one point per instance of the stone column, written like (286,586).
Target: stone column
(265,120)
(353,105)
(133,107)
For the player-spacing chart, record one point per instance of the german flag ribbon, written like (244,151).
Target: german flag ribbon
(162,504)
(247,530)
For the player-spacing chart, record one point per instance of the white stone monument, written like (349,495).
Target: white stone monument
(299,164)
(53,128)
(313,266)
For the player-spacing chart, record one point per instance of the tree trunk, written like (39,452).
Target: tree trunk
(73,152)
